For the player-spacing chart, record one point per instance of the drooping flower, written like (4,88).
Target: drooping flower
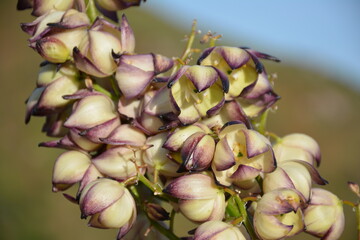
(109,204)
(94,115)
(298,146)
(294,174)
(241,155)
(94,54)
(69,169)
(194,145)
(197,92)
(200,200)
(278,214)
(55,34)
(135,72)
(324,216)
(53,83)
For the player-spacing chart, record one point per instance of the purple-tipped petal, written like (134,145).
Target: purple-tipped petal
(176,139)
(244,172)
(85,65)
(133,78)
(177,75)
(127,36)
(162,63)
(234,57)
(224,156)
(198,151)
(260,87)
(90,175)
(256,144)
(263,55)
(201,76)
(95,134)
(215,109)
(204,54)
(224,80)
(99,195)
(313,172)
(125,134)
(193,186)
(159,103)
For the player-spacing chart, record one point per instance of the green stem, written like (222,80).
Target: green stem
(248,224)
(115,87)
(172,220)
(190,42)
(261,126)
(156,189)
(91,10)
(166,232)
(99,88)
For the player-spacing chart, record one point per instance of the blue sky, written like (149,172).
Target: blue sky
(321,34)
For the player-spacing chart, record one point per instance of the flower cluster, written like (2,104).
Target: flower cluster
(192,134)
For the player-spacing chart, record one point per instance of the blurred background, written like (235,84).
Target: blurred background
(319,82)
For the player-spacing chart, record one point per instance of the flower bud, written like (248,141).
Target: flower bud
(120,163)
(295,174)
(200,199)
(278,214)
(135,72)
(196,92)
(156,156)
(93,56)
(241,155)
(109,204)
(55,34)
(52,84)
(217,230)
(69,168)
(94,115)
(298,146)
(324,216)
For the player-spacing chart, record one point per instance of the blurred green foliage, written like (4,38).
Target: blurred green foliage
(312,103)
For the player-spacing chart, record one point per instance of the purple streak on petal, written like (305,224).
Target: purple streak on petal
(234,60)
(263,55)
(101,131)
(313,172)
(244,172)
(177,76)
(127,36)
(236,113)
(84,64)
(125,135)
(215,109)
(82,94)
(258,65)
(231,123)
(29,28)
(188,150)
(253,148)
(224,80)
(201,81)
(204,54)
(162,63)
(70,198)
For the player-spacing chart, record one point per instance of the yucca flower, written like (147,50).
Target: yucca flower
(241,154)
(197,92)
(109,204)
(217,230)
(200,200)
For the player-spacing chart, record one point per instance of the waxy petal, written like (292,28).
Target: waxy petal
(86,65)
(162,63)
(100,194)
(193,186)
(224,156)
(127,36)
(69,168)
(244,173)
(202,77)
(159,103)
(256,143)
(197,152)
(101,131)
(118,163)
(234,57)
(125,134)
(218,230)
(176,139)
